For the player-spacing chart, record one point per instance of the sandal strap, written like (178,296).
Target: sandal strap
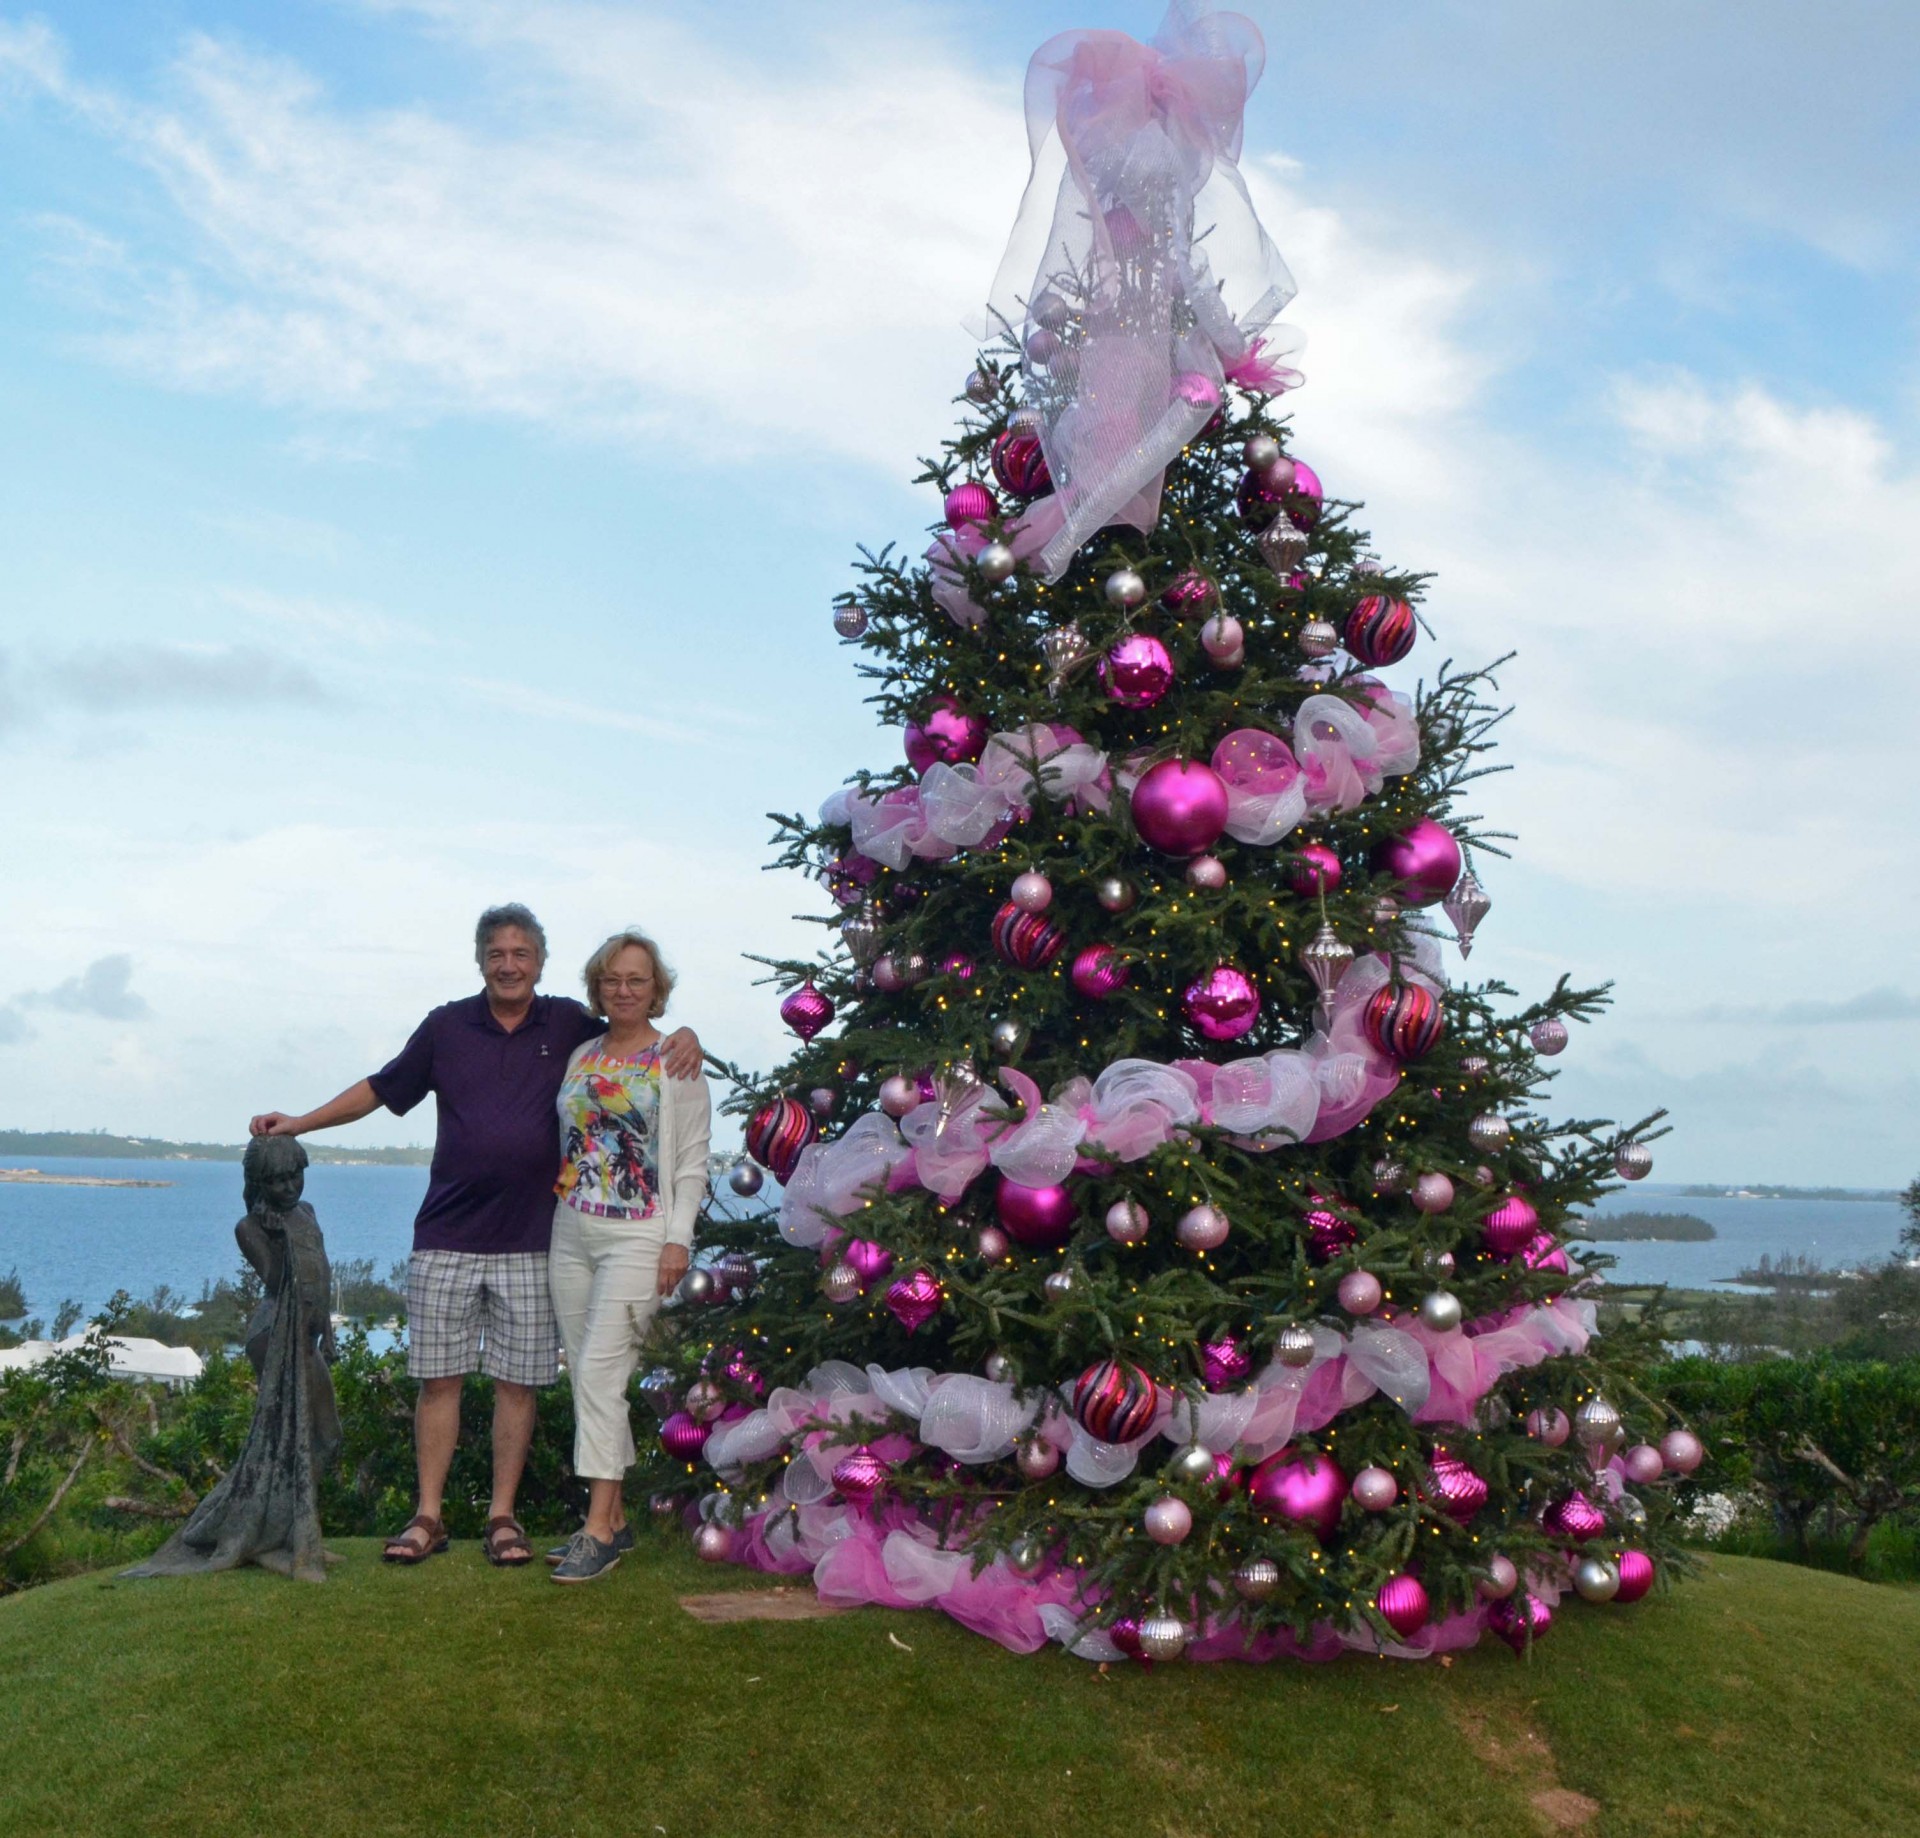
(434,1529)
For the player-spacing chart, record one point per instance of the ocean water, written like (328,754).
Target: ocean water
(86,1242)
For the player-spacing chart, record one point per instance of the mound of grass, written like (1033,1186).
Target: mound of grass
(458,1699)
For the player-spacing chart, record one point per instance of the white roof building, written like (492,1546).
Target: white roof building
(128,1357)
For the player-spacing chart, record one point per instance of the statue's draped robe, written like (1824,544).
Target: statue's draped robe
(267,1509)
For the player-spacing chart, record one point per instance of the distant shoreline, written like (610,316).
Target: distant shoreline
(32,1177)
(98,1145)
(1761,1191)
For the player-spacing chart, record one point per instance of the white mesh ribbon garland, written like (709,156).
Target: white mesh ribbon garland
(1137,274)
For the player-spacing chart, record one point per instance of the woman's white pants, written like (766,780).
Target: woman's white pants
(604,1274)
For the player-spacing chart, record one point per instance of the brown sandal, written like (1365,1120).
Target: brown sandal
(506,1543)
(402,1549)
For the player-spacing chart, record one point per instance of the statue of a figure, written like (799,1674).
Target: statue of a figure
(266,1510)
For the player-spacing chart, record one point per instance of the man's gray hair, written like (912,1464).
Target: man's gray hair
(495,917)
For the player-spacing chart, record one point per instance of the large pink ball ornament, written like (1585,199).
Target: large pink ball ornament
(1032,892)
(1500,1581)
(1453,1487)
(1402,1603)
(1180,807)
(1097,972)
(1315,870)
(1682,1451)
(1380,631)
(1037,1459)
(1424,859)
(969,503)
(1191,595)
(778,1131)
(1127,1222)
(1375,1489)
(1041,1218)
(1303,495)
(1432,1193)
(1138,671)
(948,736)
(1114,1400)
(1202,1228)
(713,1544)
(869,1259)
(1520,1619)
(1028,941)
(1643,1464)
(1223,1004)
(1550,1427)
(898,1095)
(1360,1292)
(1636,1575)
(1305,1488)
(1224,1363)
(1020,465)
(1168,1520)
(682,1436)
(1510,1227)
(1404,1021)
(1224,639)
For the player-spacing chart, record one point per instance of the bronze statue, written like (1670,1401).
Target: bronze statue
(267,1509)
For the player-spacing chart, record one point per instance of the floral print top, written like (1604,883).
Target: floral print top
(610,1134)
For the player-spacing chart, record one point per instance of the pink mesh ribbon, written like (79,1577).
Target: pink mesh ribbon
(1137,272)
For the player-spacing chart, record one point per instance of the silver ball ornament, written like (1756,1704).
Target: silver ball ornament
(1475,1066)
(1596,1425)
(1058,1285)
(1207,872)
(850,621)
(1294,1345)
(745,1178)
(1631,1512)
(713,1544)
(1203,1228)
(1049,310)
(658,1389)
(1256,1579)
(1435,1262)
(1037,1459)
(1488,1132)
(1260,452)
(1318,638)
(1191,1466)
(1633,1161)
(1114,894)
(992,1244)
(981,388)
(1596,1579)
(1127,1222)
(1440,1311)
(1026,1555)
(1000,1367)
(1007,1037)
(1124,588)
(1549,1036)
(1389,1177)
(995,562)
(698,1286)
(704,1400)
(841,1284)
(1163,1637)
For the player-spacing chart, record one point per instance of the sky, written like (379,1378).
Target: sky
(432,433)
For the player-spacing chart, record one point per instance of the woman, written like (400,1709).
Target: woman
(633,1171)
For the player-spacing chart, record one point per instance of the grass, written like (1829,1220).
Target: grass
(1759,1699)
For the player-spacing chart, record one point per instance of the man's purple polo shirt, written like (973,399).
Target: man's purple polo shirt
(496,1153)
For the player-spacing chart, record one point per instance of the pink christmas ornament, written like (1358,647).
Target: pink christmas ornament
(1360,1292)
(1315,870)
(1500,1581)
(1223,1364)
(1643,1464)
(1308,1489)
(1403,1021)
(1114,1400)
(1190,596)
(969,503)
(1402,1603)
(1223,1004)
(1682,1451)
(1202,1228)
(860,1477)
(1207,872)
(948,736)
(1636,1575)
(1138,671)
(1574,1517)
(1380,631)
(1224,639)
(1454,1488)
(713,1544)
(1032,892)
(682,1436)
(1041,1218)
(1169,1520)
(1375,1489)
(849,875)
(1180,807)
(1432,1193)
(1543,1252)
(1302,496)
(1127,1222)
(1196,389)
(915,1300)
(992,1244)
(1328,1234)
(1028,941)
(1510,1226)
(958,965)
(898,1095)
(870,1260)
(1549,1426)
(1424,859)
(1519,1617)
(1020,466)
(778,1131)
(806,1010)
(1097,972)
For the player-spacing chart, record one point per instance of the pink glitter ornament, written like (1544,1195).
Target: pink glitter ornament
(1127,1222)
(1510,1226)
(1191,595)
(1041,1218)
(1169,1520)
(1315,870)
(1518,1618)
(1549,1426)
(1032,892)
(1307,1489)
(1500,1581)
(948,736)
(1180,807)
(969,503)
(992,1244)
(915,1300)
(1207,872)
(1223,1364)
(1097,972)
(1224,639)
(1402,1603)
(898,1095)
(1360,1292)
(1643,1464)
(1375,1489)
(861,1477)
(1424,859)
(1574,1517)
(870,1260)
(1202,1228)
(1636,1575)
(1138,671)
(1682,1451)
(806,1010)
(1223,1004)
(682,1436)
(1432,1193)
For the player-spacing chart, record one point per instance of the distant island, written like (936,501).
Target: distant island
(1632,1228)
(32,1177)
(1762,1191)
(100,1146)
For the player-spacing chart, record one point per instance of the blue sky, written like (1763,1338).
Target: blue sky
(434,434)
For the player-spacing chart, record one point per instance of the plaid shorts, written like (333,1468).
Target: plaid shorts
(471,1311)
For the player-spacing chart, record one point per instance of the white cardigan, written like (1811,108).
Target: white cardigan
(686,1127)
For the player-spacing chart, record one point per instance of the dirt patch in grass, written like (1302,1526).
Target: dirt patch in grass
(1526,1756)
(759,1605)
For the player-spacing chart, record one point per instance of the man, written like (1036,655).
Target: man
(477,1281)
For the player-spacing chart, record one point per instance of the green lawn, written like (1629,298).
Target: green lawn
(1760,1699)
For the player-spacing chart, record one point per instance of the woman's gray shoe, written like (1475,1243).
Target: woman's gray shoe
(586,1559)
(623,1542)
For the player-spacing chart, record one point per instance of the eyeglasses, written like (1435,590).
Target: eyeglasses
(627,985)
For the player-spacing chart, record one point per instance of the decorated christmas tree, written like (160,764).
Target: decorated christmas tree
(1168,1258)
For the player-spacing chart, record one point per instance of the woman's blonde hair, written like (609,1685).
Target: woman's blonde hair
(597,968)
